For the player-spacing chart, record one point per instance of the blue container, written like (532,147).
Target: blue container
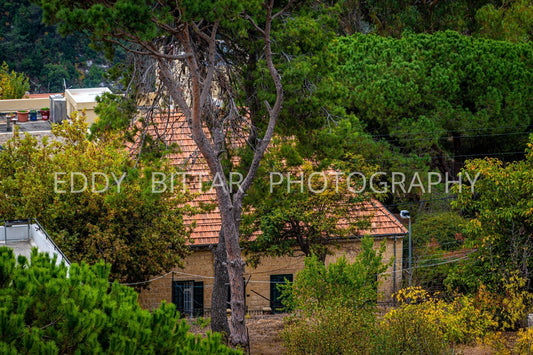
(33,115)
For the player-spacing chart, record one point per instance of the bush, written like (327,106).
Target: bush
(509,305)
(421,324)
(332,330)
(524,342)
(410,332)
(12,85)
(48,309)
(425,324)
(335,304)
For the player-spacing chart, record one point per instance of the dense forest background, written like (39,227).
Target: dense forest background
(51,60)
(47,58)
(392,86)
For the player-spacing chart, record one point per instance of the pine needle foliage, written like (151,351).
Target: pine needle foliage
(46,308)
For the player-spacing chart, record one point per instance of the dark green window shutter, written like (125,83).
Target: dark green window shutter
(198,298)
(177,295)
(275,302)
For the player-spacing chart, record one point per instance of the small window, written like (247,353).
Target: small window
(275,302)
(188,296)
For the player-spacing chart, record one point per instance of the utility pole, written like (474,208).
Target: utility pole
(405,214)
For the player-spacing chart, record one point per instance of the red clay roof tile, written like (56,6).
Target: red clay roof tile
(383,223)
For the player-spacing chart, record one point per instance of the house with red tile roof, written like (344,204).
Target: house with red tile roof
(190,287)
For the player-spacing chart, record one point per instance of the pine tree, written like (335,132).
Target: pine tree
(47,308)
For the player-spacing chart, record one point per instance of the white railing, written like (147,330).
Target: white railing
(30,230)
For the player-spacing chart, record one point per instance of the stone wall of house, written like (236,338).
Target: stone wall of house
(199,267)
(390,280)
(199,263)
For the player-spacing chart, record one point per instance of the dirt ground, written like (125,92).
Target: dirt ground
(264,332)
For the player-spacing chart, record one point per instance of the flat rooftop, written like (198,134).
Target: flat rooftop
(34,127)
(30,126)
(86,95)
(24,235)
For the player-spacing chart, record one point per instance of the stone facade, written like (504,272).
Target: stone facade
(190,288)
(198,267)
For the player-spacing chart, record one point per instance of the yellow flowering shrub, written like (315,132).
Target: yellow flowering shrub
(495,343)
(449,322)
(508,308)
(524,341)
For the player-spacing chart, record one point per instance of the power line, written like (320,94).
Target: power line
(446,262)
(143,282)
(275,282)
(406,134)
(465,136)
(444,156)
(431,265)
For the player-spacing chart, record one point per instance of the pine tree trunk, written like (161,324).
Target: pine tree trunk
(219,297)
(235,267)
(201,78)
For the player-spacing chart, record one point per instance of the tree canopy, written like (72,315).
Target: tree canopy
(51,309)
(96,202)
(501,224)
(37,50)
(445,95)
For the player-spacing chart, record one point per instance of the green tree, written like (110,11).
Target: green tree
(501,224)
(95,201)
(445,96)
(394,18)
(182,40)
(12,85)
(51,309)
(512,21)
(311,207)
(56,75)
(315,138)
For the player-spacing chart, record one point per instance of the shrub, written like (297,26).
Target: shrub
(524,341)
(332,330)
(508,306)
(335,305)
(405,331)
(12,85)
(428,325)
(48,309)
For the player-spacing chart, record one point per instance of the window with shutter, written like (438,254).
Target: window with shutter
(275,302)
(188,296)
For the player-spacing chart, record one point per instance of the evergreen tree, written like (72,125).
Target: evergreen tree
(95,201)
(49,309)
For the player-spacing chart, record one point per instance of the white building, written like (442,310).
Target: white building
(23,235)
(84,99)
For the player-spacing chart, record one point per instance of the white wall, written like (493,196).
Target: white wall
(22,241)
(44,245)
